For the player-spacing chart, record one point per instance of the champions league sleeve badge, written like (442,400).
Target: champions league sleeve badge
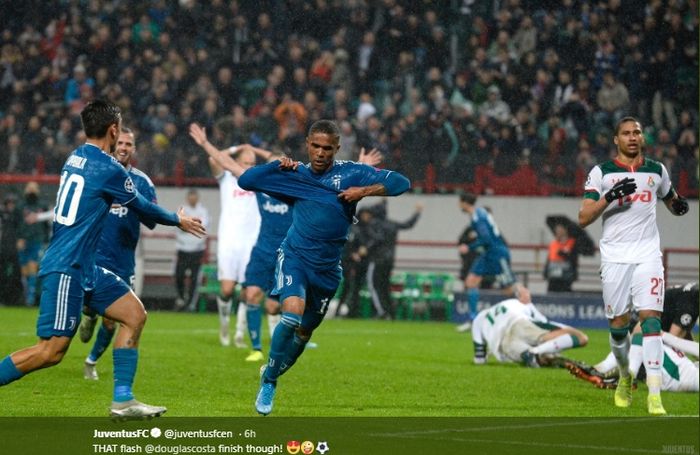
(129,185)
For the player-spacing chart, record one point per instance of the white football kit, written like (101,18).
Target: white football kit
(507,329)
(239,224)
(679,373)
(631,269)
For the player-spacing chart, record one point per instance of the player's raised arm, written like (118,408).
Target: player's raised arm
(221,158)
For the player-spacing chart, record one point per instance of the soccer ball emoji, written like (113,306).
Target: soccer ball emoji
(322,447)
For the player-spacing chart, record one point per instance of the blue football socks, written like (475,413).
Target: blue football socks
(293,352)
(102,340)
(253,314)
(8,371)
(125,361)
(281,339)
(473,300)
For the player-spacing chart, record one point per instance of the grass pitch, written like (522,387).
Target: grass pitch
(362,368)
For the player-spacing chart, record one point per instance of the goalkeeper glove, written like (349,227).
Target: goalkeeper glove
(623,188)
(680,206)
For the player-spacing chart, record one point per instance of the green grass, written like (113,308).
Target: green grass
(361,368)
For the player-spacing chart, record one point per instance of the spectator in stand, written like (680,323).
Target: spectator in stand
(291,117)
(494,107)
(612,99)
(169,58)
(75,85)
(662,85)
(686,135)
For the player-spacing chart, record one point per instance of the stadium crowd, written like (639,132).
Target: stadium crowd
(453,93)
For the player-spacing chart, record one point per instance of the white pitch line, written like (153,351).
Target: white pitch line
(498,442)
(512,427)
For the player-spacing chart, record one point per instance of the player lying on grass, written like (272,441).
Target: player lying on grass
(513,331)
(678,372)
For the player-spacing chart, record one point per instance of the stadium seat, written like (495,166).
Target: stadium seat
(437,292)
(208,286)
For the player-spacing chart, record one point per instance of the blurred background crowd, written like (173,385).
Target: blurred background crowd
(457,94)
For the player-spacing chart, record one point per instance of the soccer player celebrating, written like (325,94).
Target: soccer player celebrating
(325,193)
(91,182)
(624,191)
(276,218)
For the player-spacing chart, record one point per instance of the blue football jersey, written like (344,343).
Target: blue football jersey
(117,245)
(276,218)
(91,181)
(320,220)
(488,234)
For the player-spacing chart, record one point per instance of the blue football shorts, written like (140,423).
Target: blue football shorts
(63,297)
(260,270)
(494,263)
(294,278)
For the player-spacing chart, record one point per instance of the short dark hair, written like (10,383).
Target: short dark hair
(325,127)
(98,116)
(127,130)
(625,119)
(468,198)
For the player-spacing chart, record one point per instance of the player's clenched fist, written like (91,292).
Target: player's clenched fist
(623,188)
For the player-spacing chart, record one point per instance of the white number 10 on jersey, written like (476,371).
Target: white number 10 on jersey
(69,187)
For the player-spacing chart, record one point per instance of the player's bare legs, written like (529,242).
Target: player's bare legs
(46,353)
(130,313)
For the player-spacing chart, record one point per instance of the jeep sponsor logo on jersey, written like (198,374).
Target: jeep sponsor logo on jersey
(119,210)
(281,209)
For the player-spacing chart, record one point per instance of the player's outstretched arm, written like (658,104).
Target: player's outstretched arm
(190,224)
(199,135)
(150,211)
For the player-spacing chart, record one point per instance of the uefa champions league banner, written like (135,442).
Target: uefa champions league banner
(576,310)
